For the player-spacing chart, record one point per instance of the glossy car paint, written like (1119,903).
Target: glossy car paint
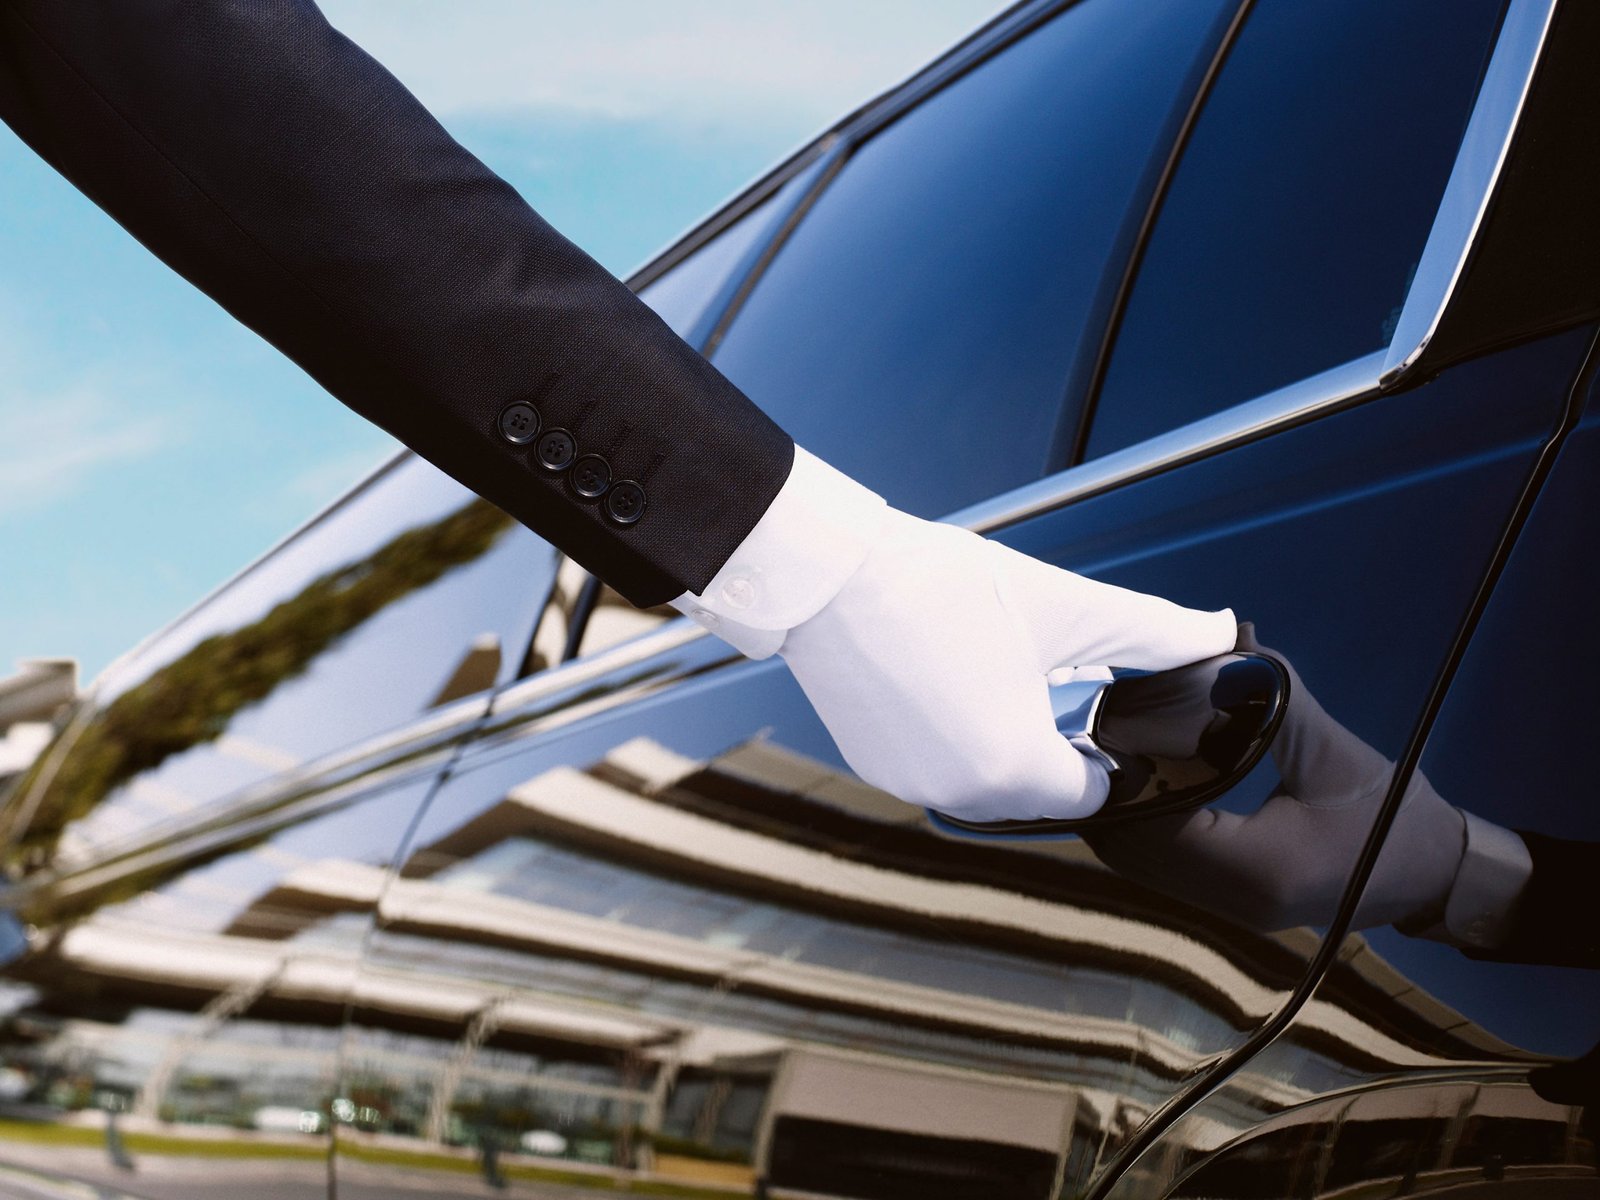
(1459,1098)
(324,885)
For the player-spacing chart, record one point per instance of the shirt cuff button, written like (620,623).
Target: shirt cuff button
(739,593)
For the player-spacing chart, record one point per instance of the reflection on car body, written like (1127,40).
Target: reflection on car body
(413,851)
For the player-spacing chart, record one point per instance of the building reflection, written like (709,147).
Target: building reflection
(686,970)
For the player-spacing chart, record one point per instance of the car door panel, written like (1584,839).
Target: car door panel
(677,846)
(1310,532)
(1490,1087)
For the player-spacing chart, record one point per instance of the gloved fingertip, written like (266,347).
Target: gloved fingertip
(1075,786)
(1096,787)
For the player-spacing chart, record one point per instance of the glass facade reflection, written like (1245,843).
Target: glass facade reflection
(184,1031)
(822,1012)
(779,977)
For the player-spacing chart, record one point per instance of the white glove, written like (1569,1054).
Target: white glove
(927,648)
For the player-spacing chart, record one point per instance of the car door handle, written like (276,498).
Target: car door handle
(1169,740)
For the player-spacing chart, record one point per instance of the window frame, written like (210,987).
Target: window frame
(1494,129)
(1490,132)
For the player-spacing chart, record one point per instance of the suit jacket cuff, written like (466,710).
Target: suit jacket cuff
(802,551)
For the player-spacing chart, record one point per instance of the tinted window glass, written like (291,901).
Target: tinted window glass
(411,593)
(921,327)
(1288,239)
(682,295)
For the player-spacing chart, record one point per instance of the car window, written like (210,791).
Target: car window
(613,621)
(411,593)
(922,325)
(682,293)
(1286,243)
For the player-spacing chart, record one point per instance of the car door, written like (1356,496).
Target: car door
(1423,1061)
(663,931)
(1448,1044)
(165,1018)
(652,925)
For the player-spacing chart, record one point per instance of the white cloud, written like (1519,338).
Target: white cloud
(727,60)
(55,442)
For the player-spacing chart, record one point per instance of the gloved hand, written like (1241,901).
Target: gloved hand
(929,668)
(928,664)
(1288,862)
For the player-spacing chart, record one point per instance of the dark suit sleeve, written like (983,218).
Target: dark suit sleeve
(283,171)
(1555,921)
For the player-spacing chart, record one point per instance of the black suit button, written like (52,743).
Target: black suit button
(590,477)
(519,423)
(625,504)
(556,450)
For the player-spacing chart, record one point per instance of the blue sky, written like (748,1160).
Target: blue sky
(150,445)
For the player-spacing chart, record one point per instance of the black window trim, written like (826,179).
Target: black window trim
(855,128)
(1072,452)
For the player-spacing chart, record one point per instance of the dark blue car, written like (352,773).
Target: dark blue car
(414,862)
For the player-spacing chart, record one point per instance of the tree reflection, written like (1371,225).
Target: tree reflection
(194,698)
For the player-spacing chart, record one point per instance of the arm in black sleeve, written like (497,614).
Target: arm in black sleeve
(1554,919)
(287,174)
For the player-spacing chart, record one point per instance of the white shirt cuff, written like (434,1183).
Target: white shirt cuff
(1494,869)
(808,543)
